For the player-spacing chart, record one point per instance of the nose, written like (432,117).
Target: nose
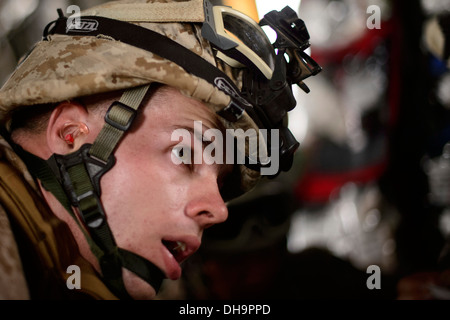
(206,205)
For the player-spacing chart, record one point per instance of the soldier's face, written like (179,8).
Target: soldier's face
(156,208)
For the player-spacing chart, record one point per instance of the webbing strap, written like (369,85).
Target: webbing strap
(167,48)
(118,120)
(91,210)
(142,268)
(74,180)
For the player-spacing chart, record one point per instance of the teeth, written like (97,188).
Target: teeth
(181,246)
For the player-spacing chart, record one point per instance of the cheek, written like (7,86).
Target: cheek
(141,197)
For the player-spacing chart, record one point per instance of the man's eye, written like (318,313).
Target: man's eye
(183,154)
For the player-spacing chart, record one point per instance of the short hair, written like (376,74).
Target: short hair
(34,119)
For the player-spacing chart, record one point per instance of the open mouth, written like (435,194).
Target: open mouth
(177,248)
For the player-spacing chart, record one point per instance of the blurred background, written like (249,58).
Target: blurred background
(371,182)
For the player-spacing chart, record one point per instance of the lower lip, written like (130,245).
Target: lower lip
(173,269)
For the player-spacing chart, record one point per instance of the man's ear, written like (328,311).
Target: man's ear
(67,129)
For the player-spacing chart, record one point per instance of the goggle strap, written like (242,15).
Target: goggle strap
(151,41)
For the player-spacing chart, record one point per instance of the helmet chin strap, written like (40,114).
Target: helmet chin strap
(74,180)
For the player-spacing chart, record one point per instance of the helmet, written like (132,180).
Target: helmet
(211,53)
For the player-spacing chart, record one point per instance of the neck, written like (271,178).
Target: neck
(61,213)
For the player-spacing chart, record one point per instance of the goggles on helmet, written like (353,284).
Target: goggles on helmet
(241,42)
(268,77)
(239,39)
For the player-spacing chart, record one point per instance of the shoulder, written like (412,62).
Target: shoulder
(36,248)
(13,285)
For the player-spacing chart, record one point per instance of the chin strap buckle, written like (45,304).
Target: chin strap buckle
(80,173)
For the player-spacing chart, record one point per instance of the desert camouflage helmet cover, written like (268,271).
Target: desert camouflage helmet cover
(64,67)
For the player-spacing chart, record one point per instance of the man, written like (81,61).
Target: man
(107,113)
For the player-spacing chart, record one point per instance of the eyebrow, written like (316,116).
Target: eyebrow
(222,168)
(195,134)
